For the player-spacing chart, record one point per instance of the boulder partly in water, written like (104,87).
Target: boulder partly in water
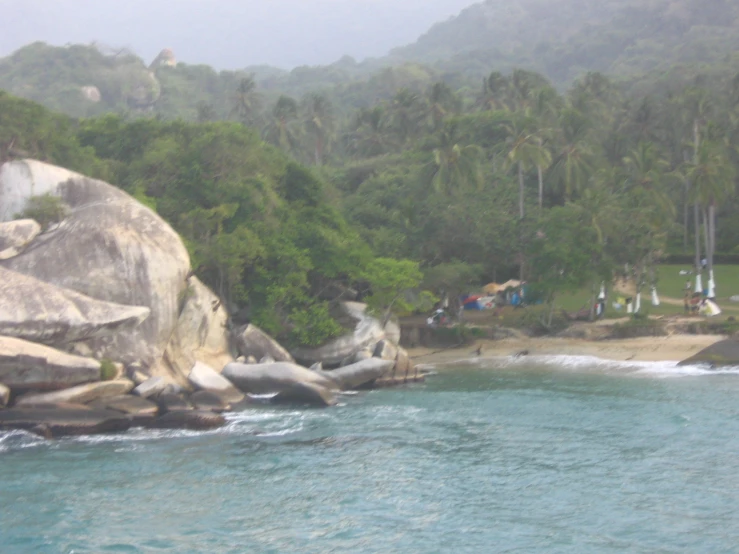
(205,378)
(53,422)
(306,394)
(721,354)
(27,366)
(81,394)
(356,375)
(273,378)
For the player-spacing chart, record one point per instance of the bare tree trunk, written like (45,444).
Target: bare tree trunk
(706,233)
(520,189)
(697,226)
(541,187)
(685,219)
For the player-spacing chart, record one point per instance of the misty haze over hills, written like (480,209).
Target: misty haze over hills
(228,34)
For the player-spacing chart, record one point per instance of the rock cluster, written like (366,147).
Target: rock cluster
(103,326)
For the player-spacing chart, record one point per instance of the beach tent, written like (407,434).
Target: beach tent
(493,288)
(472,303)
(710,308)
(512,284)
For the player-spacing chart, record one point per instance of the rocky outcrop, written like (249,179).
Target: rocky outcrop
(33,310)
(306,393)
(251,341)
(193,420)
(173,403)
(4,395)
(367,333)
(138,409)
(354,376)
(27,366)
(81,394)
(201,332)
(151,387)
(209,402)
(59,421)
(205,378)
(110,248)
(273,378)
(15,235)
(722,354)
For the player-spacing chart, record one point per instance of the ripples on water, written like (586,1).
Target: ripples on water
(537,454)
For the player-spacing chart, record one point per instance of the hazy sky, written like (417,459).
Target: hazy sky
(228,34)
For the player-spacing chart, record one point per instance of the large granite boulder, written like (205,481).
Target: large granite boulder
(250,340)
(27,366)
(151,387)
(139,409)
(273,378)
(15,235)
(109,247)
(192,420)
(722,354)
(33,310)
(53,421)
(368,332)
(306,393)
(209,402)
(81,394)
(361,373)
(200,334)
(205,378)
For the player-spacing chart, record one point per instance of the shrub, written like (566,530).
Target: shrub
(108,370)
(45,209)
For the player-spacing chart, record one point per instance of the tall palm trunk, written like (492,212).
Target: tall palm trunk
(520,189)
(541,187)
(712,247)
(706,234)
(697,227)
(686,205)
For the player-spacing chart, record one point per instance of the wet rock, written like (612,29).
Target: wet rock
(27,366)
(206,401)
(206,378)
(4,395)
(54,422)
(81,394)
(139,409)
(305,394)
(173,403)
(192,420)
(250,340)
(151,387)
(723,353)
(361,373)
(272,378)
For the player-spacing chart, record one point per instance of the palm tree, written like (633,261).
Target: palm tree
(494,92)
(369,136)
(282,130)
(646,171)
(319,124)
(572,164)
(442,101)
(246,101)
(712,177)
(407,112)
(455,166)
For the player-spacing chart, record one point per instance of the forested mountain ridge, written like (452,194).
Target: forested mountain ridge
(566,38)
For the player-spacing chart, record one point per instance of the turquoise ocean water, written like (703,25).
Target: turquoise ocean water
(532,455)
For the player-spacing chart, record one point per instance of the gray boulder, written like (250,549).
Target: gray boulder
(173,403)
(368,331)
(403,364)
(27,366)
(207,379)
(151,387)
(306,393)
(81,394)
(361,373)
(209,402)
(723,353)
(110,248)
(33,310)
(53,422)
(137,408)
(250,340)
(200,334)
(192,420)
(273,378)
(4,395)
(15,235)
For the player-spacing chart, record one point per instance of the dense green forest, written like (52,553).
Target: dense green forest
(293,190)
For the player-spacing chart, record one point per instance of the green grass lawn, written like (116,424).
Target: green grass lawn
(670,284)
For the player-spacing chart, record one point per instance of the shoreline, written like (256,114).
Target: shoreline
(673,348)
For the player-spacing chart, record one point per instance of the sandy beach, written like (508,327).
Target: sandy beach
(673,348)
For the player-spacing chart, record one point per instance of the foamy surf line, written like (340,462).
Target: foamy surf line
(587,364)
